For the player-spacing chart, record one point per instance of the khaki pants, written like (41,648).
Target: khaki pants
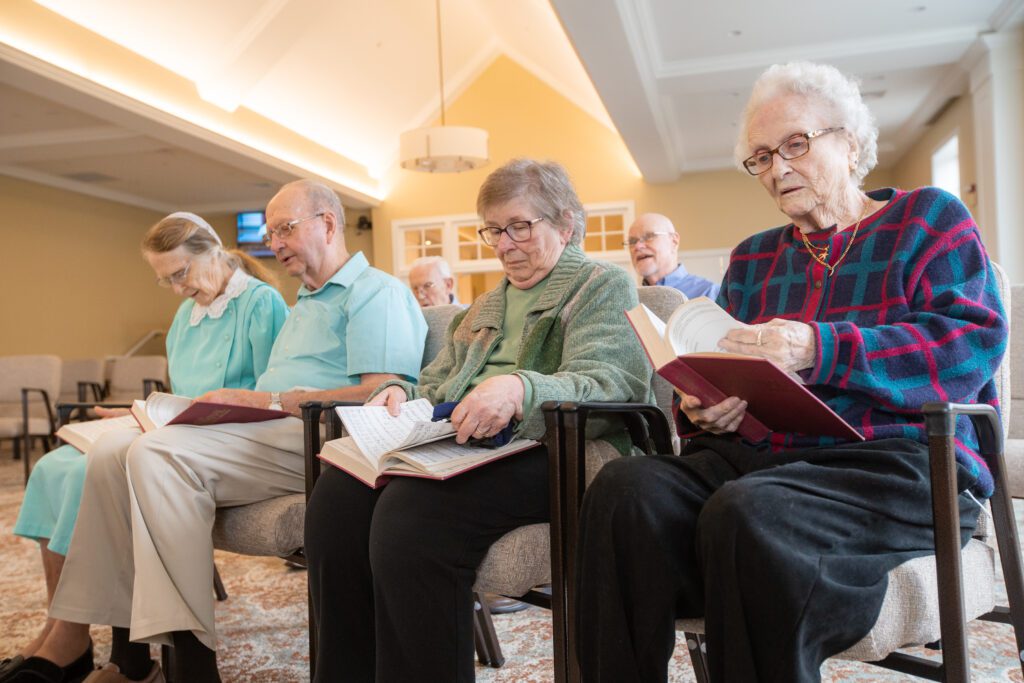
(141,555)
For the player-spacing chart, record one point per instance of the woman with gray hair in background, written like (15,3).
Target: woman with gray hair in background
(881,301)
(391,570)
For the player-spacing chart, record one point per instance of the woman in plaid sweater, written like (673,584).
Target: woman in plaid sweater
(881,301)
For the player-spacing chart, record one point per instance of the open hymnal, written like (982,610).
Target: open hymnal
(379,446)
(167,409)
(685,352)
(82,435)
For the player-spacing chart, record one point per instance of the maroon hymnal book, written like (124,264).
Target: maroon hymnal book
(167,409)
(776,402)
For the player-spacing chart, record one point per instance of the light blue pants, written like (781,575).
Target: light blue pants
(52,496)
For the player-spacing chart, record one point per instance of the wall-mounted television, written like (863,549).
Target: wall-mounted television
(252,225)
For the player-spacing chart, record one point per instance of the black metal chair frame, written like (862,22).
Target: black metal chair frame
(648,425)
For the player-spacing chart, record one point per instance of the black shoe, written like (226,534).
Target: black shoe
(10,664)
(499,604)
(39,670)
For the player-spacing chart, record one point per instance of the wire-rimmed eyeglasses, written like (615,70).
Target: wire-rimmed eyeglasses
(793,147)
(174,278)
(284,230)
(517,231)
(645,238)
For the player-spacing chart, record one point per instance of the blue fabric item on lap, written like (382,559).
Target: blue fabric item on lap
(443,411)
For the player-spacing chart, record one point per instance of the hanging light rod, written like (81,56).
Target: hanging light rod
(443,149)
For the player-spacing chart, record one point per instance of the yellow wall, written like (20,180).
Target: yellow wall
(914,169)
(525,117)
(73,281)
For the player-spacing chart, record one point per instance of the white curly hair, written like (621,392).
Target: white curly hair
(827,84)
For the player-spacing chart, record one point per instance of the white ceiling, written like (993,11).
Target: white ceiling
(351,75)
(674,76)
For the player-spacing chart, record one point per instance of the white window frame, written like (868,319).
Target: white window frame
(940,149)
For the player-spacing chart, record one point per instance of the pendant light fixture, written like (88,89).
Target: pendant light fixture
(443,149)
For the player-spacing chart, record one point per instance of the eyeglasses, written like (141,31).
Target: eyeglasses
(283,231)
(645,238)
(793,148)
(425,288)
(517,231)
(174,278)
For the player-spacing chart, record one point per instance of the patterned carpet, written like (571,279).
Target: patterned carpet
(262,625)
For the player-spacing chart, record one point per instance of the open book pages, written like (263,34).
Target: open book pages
(159,409)
(375,431)
(82,435)
(435,460)
(698,325)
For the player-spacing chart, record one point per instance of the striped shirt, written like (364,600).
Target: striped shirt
(912,314)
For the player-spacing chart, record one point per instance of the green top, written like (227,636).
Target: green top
(502,360)
(575,344)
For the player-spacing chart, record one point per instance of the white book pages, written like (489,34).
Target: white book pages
(698,325)
(377,432)
(82,435)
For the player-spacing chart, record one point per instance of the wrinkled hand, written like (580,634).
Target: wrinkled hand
(790,344)
(486,410)
(107,413)
(237,397)
(722,418)
(392,397)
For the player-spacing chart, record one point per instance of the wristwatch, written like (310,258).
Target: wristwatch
(275,400)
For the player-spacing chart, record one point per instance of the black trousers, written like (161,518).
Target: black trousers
(784,555)
(391,571)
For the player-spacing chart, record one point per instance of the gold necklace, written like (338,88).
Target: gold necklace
(820,254)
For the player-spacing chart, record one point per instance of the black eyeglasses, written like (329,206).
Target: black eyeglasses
(283,231)
(793,148)
(517,231)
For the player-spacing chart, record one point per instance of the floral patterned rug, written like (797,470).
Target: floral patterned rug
(262,625)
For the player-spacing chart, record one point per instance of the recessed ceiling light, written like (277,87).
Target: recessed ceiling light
(919,8)
(735,33)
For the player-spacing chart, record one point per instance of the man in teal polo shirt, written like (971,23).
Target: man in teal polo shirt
(141,554)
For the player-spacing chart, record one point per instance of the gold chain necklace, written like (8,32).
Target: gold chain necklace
(820,254)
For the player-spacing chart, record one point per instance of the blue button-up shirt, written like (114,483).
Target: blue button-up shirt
(361,321)
(689,284)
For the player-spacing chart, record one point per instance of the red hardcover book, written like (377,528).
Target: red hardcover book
(167,409)
(776,402)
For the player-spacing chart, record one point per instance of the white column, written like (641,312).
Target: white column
(997,92)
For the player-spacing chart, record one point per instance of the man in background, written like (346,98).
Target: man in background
(431,281)
(654,249)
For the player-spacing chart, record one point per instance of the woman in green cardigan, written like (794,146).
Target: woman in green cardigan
(392,569)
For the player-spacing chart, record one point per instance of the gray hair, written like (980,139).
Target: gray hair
(544,184)
(827,84)
(442,265)
(319,198)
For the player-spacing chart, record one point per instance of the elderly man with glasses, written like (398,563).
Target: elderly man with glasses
(141,556)
(653,245)
(431,281)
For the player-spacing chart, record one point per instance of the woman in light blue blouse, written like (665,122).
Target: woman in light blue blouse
(220,338)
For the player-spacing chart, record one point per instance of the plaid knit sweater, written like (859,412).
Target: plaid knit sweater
(911,315)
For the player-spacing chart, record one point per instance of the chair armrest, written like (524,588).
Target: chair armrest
(312,414)
(65,410)
(84,387)
(149,385)
(25,392)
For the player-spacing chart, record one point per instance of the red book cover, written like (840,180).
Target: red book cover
(775,401)
(202,413)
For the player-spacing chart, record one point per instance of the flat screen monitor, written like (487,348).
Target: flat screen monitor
(252,225)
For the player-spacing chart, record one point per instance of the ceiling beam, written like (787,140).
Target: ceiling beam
(271,32)
(65,136)
(85,188)
(602,33)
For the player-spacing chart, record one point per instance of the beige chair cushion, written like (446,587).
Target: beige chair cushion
(11,427)
(270,527)
(910,611)
(521,559)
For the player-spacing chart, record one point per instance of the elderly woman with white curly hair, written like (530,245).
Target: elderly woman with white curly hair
(881,301)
